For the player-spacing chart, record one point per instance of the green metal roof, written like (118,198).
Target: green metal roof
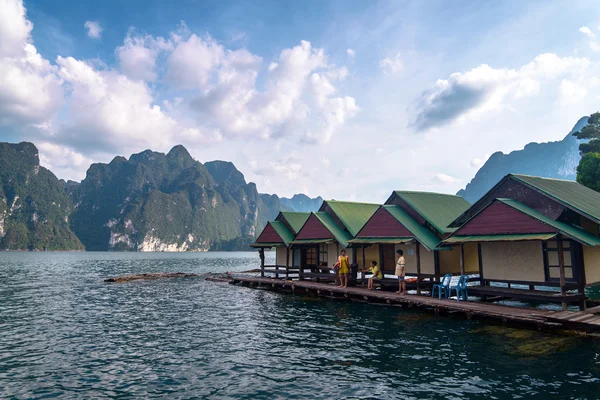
(295,219)
(571,194)
(422,234)
(575,233)
(282,231)
(436,208)
(368,240)
(312,241)
(499,238)
(353,215)
(342,236)
(257,245)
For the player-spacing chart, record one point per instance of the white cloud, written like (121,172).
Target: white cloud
(445,179)
(572,91)
(193,62)
(478,162)
(593,42)
(30,91)
(137,56)
(351,53)
(484,89)
(63,161)
(109,112)
(392,65)
(94,30)
(14,28)
(298,97)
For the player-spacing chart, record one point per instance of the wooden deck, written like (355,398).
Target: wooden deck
(583,322)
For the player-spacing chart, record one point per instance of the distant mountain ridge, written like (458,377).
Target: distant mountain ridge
(301,202)
(549,160)
(149,202)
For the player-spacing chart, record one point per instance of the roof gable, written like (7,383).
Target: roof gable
(571,194)
(500,218)
(320,225)
(438,209)
(275,232)
(384,224)
(352,215)
(314,229)
(553,226)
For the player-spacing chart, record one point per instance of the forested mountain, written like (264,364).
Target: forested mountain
(34,207)
(166,202)
(149,202)
(549,160)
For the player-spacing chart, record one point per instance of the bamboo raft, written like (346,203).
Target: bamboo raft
(577,322)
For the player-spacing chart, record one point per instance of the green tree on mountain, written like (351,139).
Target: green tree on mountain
(588,170)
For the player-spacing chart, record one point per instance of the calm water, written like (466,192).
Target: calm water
(64,333)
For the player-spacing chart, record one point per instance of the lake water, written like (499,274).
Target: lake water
(64,333)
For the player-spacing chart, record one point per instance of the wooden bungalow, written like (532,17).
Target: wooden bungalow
(435,212)
(326,232)
(280,234)
(390,229)
(534,231)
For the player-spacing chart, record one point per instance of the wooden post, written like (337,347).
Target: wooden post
(462,259)
(418,254)
(364,264)
(261,254)
(481,280)
(561,266)
(287,263)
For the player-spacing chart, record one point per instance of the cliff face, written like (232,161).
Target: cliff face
(34,208)
(165,202)
(549,160)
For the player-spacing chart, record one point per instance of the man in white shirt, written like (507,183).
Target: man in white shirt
(400,272)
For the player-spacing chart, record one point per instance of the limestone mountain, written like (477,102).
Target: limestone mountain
(549,160)
(34,208)
(166,202)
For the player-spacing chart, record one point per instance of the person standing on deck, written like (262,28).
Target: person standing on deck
(344,268)
(400,272)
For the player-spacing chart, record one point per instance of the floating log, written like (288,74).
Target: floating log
(158,275)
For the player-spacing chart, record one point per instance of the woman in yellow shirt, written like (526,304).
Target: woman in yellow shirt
(377,275)
(344,268)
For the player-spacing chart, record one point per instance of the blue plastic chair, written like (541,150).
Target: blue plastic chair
(443,287)
(460,288)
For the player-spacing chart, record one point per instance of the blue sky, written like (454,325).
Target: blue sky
(333,98)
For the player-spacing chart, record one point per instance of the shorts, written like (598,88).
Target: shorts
(401,278)
(400,272)
(375,278)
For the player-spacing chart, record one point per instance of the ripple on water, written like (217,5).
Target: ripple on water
(67,334)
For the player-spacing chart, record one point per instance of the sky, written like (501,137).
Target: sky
(343,99)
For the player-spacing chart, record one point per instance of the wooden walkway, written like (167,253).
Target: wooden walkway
(582,322)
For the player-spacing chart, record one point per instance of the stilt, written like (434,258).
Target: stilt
(261,254)
(561,266)
(462,259)
(418,254)
(364,263)
(287,263)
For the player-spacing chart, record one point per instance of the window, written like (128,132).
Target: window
(323,257)
(551,260)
